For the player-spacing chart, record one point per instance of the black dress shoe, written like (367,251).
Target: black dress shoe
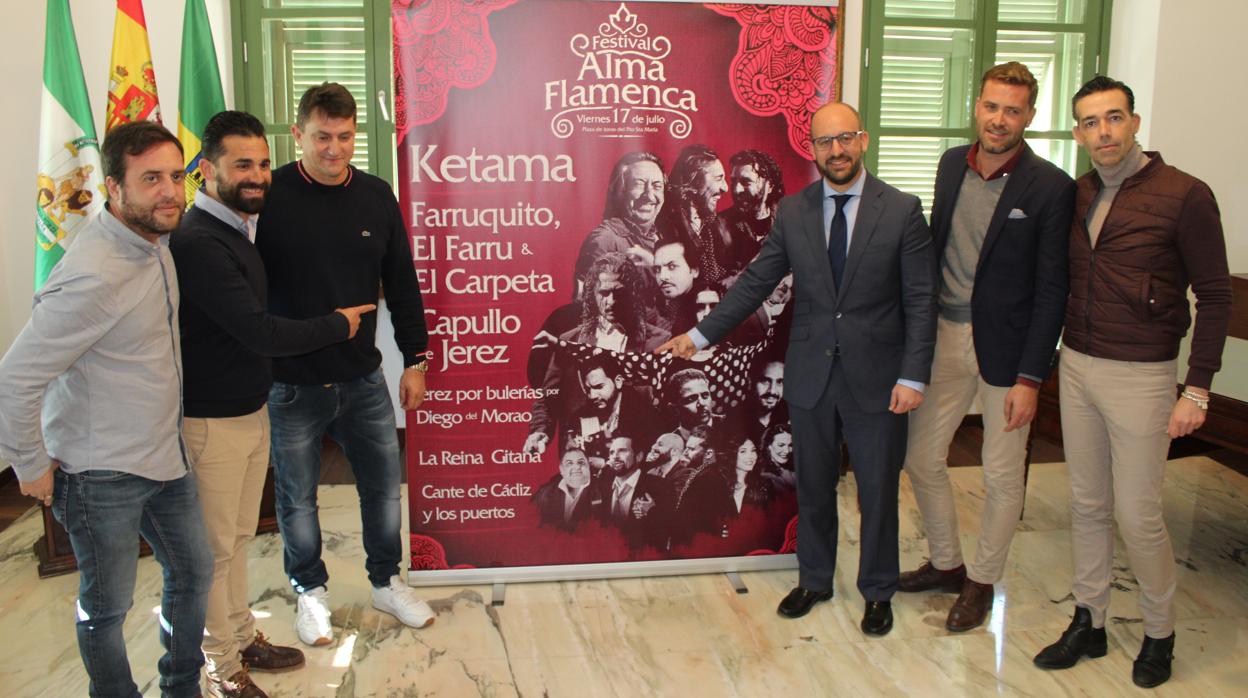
(1079,640)
(877,619)
(799,602)
(1152,667)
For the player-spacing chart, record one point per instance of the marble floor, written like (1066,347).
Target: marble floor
(694,636)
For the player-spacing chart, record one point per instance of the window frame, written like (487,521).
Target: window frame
(246,24)
(985,28)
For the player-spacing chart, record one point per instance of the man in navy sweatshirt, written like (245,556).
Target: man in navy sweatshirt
(333,236)
(228,337)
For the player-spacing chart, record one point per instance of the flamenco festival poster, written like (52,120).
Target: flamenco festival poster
(582,181)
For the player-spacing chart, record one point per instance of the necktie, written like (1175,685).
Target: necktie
(838,238)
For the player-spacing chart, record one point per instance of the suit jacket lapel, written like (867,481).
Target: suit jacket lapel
(1015,186)
(950,180)
(812,228)
(869,210)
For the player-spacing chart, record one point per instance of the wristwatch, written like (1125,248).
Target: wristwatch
(422,366)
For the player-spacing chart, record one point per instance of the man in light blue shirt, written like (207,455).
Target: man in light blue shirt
(90,415)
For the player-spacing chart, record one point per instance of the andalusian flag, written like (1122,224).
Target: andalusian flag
(70,180)
(199,96)
(131,80)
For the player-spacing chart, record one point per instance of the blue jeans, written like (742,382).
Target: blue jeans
(105,512)
(359,416)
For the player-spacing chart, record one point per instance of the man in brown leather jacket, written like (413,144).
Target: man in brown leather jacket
(1143,232)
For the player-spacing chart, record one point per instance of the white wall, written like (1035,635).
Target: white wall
(1182,61)
(21,35)
(1133,53)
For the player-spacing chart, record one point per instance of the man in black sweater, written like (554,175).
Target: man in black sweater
(331,236)
(227,339)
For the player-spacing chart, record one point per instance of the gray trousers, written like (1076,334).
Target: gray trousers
(877,442)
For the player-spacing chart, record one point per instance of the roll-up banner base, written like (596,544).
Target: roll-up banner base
(606,570)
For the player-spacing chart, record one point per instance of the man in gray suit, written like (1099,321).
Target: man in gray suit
(860,351)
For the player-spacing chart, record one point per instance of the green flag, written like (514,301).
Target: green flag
(199,90)
(70,180)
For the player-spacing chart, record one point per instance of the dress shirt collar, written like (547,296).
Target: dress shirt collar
(123,234)
(563,485)
(243,224)
(855,189)
(630,482)
(1007,168)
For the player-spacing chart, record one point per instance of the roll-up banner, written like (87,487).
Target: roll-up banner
(582,181)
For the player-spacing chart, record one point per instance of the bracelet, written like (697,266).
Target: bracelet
(1201,402)
(423,364)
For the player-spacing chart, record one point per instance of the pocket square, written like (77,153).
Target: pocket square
(1016,214)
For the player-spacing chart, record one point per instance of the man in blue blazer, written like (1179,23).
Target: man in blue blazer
(1001,224)
(860,350)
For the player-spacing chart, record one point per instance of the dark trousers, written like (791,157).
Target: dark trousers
(877,449)
(359,416)
(104,512)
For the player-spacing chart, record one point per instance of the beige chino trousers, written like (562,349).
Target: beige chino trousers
(231,458)
(955,384)
(1114,420)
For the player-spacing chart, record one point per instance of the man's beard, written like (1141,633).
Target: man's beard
(828,173)
(747,204)
(701,415)
(233,196)
(1004,148)
(145,219)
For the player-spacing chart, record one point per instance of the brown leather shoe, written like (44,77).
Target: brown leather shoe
(928,577)
(971,608)
(261,655)
(237,686)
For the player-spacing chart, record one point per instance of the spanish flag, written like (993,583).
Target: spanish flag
(131,79)
(199,90)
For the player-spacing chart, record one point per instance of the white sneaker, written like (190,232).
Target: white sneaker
(312,617)
(401,601)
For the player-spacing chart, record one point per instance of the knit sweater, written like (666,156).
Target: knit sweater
(227,334)
(977,200)
(337,246)
(1111,181)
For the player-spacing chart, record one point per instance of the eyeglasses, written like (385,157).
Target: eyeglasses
(846,139)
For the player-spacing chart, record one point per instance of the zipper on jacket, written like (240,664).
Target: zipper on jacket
(1087,309)
(1087,315)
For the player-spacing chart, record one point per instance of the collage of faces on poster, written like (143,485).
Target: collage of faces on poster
(682,457)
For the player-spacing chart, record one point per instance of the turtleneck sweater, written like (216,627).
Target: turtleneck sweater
(1111,180)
